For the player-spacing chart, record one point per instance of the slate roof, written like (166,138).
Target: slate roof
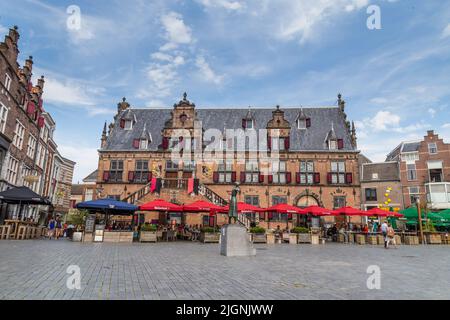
(387,171)
(91,177)
(412,146)
(311,139)
(77,189)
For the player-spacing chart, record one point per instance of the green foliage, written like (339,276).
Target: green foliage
(149,227)
(300,230)
(208,230)
(258,230)
(429,226)
(78,218)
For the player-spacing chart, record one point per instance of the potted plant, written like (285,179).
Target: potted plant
(148,233)
(302,233)
(430,233)
(209,235)
(258,235)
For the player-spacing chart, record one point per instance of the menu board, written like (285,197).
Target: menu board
(90,223)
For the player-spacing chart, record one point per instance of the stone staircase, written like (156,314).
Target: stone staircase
(143,195)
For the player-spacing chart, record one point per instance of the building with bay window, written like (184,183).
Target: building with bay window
(424,169)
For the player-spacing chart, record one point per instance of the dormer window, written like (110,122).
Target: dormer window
(128,125)
(333,145)
(301,123)
(143,144)
(249,124)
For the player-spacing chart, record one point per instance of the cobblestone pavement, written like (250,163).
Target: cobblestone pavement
(37,270)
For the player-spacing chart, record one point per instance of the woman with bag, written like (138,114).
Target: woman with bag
(390,237)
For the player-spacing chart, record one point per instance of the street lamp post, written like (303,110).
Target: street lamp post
(420,220)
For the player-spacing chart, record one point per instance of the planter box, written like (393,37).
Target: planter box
(210,237)
(340,238)
(304,238)
(270,238)
(372,240)
(411,240)
(126,237)
(398,239)
(111,237)
(77,236)
(434,239)
(293,238)
(147,236)
(259,238)
(380,239)
(315,239)
(360,239)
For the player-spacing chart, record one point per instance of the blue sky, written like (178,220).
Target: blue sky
(239,53)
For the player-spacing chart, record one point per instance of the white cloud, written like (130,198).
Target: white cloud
(3,30)
(432,112)
(385,119)
(227,4)
(176,30)
(86,159)
(206,72)
(161,56)
(446,126)
(446,32)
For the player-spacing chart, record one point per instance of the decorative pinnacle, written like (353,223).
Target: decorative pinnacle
(185,96)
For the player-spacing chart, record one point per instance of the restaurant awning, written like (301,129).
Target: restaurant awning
(108,205)
(378,212)
(244,208)
(285,208)
(349,211)
(161,205)
(202,206)
(22,195)
(318,211)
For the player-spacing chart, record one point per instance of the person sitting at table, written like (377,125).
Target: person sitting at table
(365,229)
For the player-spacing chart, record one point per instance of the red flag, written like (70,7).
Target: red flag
(190,185)
(153,186)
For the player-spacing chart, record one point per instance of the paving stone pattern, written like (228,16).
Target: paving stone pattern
(183,270)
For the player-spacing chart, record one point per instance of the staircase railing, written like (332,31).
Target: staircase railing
(138,195)
(211,195)
(244,220)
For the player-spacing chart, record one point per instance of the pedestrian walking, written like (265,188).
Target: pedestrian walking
(58,227)
(384,231)
(390,237)
(51,228)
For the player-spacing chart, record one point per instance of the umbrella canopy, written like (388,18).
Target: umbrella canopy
(22,195)
(244,208)
(285,208)
(161,205)
(318,211)
(349,211)
(379,212)
(108,205)
(202,206)
(396,215)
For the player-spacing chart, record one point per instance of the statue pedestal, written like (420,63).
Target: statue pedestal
(235,242)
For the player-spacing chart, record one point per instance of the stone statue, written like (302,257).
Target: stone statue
(233,211)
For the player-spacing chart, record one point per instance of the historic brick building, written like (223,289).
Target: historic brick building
(26,129)
(424,171)
(301,156)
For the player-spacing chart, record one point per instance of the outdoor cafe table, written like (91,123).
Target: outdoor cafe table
(16,224)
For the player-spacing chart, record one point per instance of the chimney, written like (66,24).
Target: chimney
(14,34)
(40,85)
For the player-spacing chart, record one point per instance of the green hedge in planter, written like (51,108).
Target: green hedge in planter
(208,230)
(258,230)
(300,230)
(149,227)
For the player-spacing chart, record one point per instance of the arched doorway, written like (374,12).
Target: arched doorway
(306,201)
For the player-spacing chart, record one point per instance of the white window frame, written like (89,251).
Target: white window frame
(8,82)
(408,170)
(12,170)
(128,125)
(3,117)
(143,144)
(301,124)
(333,144)
(31,147)
(19,135)
(431,146)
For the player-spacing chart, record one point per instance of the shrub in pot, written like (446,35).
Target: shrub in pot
(259,235)
(148,233)
(209,234)
(258,230)
(303,234)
